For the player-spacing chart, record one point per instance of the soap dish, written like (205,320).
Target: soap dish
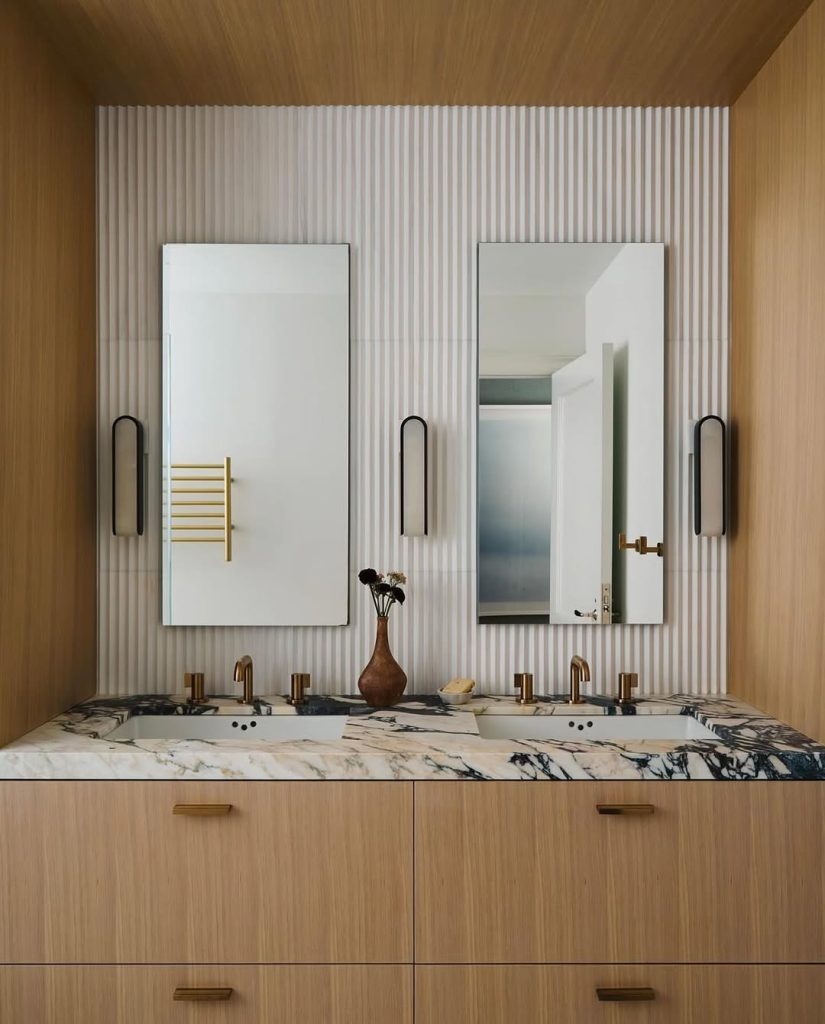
(455,698)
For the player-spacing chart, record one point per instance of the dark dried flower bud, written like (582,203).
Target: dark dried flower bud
(383,588)
(398,594)
(368,577)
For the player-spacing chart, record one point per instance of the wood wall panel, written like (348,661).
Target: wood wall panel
(47,381)
(413,189)
(777,584)
(531,52)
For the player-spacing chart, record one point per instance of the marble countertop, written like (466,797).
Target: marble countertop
(418,739)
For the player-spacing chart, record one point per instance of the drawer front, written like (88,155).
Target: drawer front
(105,872)
(719,872)
(137,995)
(656,994)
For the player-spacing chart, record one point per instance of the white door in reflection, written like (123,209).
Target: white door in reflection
(514,530)
(582,492)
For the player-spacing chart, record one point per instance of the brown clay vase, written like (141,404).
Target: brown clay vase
(383,680)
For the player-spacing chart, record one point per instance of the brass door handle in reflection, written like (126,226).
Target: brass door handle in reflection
(640,546)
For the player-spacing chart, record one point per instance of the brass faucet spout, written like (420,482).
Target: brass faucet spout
(579,673)
(243,674)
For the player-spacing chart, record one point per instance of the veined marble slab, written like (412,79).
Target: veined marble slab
(418,739)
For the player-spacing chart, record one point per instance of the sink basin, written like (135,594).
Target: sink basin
(599,727)
(228,727)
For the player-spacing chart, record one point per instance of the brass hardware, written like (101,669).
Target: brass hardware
(194,526)
(225,490)
(628,681)
(524,681)
(197,540)
(640,546)
(194,682)
(607,605)
(202,810)
(243,674)
(579,673)
(625,808)
(299,681)
(227,512)
(202,995)
(625,995)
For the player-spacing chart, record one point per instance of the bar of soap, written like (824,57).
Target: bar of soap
(459,686)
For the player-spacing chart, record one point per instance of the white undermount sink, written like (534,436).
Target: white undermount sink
(598,727)
(282,728)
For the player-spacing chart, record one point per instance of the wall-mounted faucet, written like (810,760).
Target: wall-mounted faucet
(579,673)
(243,674)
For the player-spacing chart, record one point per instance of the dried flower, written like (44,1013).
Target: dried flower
(384,590)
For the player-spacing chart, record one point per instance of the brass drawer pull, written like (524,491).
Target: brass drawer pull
(625,808)
(202,995)
(625,995)
(202,810)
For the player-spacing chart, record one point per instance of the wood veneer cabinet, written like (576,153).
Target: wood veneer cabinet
(764,994)
(719,872)
(105,872)
(353,994)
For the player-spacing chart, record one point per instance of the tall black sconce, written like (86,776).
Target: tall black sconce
(127,477)
(414,477)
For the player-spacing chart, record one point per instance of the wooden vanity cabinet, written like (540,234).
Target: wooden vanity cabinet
(294,872)
(309,994)
(745,994)
(532,873)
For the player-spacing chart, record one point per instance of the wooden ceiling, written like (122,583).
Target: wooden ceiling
(577,52)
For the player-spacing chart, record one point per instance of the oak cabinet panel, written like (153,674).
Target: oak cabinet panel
(520,873)
(105,872)
(766,994)
(353,994)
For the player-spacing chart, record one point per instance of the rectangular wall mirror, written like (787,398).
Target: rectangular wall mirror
(255,435)
(570,433)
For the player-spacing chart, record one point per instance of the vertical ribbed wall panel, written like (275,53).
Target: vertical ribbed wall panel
(413,189)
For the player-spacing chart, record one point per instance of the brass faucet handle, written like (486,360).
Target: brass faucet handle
(628,681)
(524,681)
(299,681)
(194,682)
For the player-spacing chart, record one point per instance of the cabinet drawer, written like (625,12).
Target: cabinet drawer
(719,872)
(681,995)
(105,872)
(137,995)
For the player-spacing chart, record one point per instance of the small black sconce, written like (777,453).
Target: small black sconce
(127,477)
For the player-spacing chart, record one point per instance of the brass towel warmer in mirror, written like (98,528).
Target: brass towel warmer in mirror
(218,501)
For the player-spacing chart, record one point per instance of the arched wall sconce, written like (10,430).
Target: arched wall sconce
(127,477)
(414,477)
(709,473)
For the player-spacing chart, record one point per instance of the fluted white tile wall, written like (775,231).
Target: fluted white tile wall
(413,190)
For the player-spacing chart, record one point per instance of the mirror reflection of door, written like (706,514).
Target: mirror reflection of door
(570,432)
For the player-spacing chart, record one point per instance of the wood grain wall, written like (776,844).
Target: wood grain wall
(777,555)
(47,381)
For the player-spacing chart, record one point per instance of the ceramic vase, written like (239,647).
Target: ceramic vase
(383,680)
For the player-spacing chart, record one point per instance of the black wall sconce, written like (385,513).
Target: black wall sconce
(127,477)
(414,477)
(710,507)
